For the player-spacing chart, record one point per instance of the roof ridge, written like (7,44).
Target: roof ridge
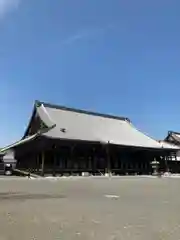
(60,107)
(169,132)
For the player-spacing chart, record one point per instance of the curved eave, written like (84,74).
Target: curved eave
(18,143)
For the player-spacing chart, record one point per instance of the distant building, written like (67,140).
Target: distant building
(61,140)
(174,138)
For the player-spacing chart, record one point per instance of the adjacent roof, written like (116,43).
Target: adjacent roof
(168,145)
(173,137)
(77,124)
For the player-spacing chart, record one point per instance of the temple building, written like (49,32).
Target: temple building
(67,141)
(173,137)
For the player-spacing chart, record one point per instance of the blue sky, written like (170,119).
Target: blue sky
(119,57)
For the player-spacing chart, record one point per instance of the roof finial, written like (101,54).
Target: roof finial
(37,103)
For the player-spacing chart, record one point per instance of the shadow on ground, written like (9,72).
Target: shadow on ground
(26,196)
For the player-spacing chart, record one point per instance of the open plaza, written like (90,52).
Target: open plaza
(98,208)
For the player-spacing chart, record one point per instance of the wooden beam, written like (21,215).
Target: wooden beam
(25,173)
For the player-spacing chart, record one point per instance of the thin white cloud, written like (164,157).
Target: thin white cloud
(75,37)
(86,34)
(7,6)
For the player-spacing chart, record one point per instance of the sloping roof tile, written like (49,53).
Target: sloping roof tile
(173,137)
(80,125)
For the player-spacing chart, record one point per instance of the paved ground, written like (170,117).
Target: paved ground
(90,208)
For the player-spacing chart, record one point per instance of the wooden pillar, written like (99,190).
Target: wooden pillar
(53,155)
(93,161)
(166,164)
(42,163)
(72,158)
(89,163)
(37,163)
(54,164)
(108,169)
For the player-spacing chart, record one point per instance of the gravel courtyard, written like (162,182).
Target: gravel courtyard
(90,208)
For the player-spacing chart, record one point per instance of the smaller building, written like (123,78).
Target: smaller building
(173,138)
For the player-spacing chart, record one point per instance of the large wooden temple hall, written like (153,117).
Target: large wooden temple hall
(66,141)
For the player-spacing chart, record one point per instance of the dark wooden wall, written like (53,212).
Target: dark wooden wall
(55,157)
